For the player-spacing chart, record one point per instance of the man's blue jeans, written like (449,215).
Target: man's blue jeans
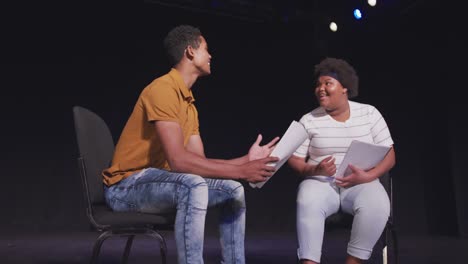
(159,191)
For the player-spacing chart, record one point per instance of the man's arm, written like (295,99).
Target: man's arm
(192,159)
(195,145)
(256,151)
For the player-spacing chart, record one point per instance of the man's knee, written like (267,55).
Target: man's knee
(234,191)
(193,181)
(194,191)
(238,193)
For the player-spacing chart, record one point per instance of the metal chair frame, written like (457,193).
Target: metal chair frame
(101,217)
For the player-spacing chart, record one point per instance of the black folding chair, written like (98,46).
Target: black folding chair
(96,147)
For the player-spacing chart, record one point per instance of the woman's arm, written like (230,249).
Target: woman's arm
(359,176)
(326,167)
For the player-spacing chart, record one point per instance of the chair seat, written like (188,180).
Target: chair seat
(338,220)
(105,216)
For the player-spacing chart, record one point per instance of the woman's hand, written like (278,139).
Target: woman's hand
(356,177)
(326,167)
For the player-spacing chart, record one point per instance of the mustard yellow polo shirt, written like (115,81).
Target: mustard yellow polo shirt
(167,98)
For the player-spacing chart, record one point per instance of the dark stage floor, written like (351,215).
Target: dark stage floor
(75,248)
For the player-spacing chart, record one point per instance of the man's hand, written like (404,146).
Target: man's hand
(258,170)
(259,152)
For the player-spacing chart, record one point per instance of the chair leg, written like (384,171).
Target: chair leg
(97,245)
(163,254)
(385,245)
(382,245)
(395,244)
(128,246)
(390,229)
(384,255)
(162,245)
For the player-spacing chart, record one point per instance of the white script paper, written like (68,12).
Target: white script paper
(362,155)
(291,140)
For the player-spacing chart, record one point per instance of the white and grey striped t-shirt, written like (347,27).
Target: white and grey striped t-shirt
(330,137)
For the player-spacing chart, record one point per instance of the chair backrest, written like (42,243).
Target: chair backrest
(387,182)
(96,147)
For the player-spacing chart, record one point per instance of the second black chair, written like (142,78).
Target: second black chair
(389,239)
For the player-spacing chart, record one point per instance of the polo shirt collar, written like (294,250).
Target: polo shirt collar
(184,90)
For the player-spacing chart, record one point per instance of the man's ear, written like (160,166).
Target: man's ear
(345,90)
(189,52)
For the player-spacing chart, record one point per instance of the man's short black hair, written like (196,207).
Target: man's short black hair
(178,39)
(340,70)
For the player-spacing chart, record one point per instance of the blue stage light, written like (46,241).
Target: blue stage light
(357,14)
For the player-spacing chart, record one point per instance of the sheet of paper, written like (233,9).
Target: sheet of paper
(362,155)
(294,136)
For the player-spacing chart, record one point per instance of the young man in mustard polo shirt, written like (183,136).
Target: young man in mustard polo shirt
(159,165)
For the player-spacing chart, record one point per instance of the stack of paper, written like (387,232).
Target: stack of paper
(362,155)
(291,140)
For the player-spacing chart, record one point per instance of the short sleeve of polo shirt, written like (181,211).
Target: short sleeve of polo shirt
(161,102)
(196,128)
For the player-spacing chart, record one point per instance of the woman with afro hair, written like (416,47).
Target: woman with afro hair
(331,128)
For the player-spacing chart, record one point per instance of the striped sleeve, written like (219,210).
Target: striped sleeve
(379,129)
(303,149)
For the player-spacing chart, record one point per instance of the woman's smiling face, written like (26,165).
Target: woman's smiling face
(329,92)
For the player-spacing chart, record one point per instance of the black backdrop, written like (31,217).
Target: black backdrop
(101,56)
